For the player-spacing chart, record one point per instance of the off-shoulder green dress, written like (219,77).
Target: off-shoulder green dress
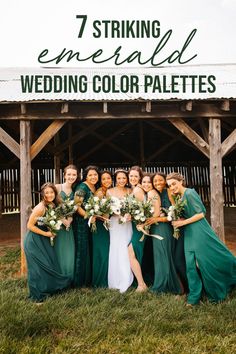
(44,273)
(210,265)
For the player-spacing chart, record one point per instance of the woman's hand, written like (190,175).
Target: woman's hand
(127,217)
(178,223)
(67,222)
(151,220)
(49,234)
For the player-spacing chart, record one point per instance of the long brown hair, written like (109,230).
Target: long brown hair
(57,200)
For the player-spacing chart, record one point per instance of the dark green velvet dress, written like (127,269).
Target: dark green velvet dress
(205,254)
(64,245)
(101,243)
(165,275)
(83,243)
(44,274)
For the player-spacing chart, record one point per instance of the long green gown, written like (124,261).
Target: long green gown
(44,274)
(138,245)
(101,243)
(165,275)
(207,254)
(83,243)
(64,245)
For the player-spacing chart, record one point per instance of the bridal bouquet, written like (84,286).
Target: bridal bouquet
(121,208)
(98,207)
(174,212)
(51,221)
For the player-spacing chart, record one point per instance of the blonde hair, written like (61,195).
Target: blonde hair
(177,176)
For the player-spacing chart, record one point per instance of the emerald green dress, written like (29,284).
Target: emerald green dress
(64,245)
(44,274)
(165,276)
(207,254)
(83,242)
(138,246)
(101,243)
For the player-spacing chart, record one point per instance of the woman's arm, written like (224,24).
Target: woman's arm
(156,202)
(37,212)
(194,218)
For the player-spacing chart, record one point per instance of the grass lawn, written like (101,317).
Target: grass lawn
(104,321)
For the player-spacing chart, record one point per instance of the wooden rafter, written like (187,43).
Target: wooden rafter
(187,131)
(228,144)
(10,143)
(45,137)
(105,141)
(79,135)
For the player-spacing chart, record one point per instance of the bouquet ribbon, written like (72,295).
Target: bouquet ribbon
(145,233)
(105,224)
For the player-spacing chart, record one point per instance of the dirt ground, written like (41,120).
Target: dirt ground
(10,229)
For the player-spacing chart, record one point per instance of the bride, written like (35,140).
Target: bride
(120,275)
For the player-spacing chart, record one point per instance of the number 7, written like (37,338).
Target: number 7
(84,19)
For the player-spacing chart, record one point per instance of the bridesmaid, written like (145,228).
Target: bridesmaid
(165,276)
(101,240)
(83,237)
(65,243)
(120,275)
(135,248)
(177,246)
(210,265)
(44,274)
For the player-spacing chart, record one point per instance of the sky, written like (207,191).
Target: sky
(28,27)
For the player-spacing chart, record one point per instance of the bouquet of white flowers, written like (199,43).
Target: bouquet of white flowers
(98,207)
(174,212)
(140,212)
(120,207)
(51,221)
(66,209)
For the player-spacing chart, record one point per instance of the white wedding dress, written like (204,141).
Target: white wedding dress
(120,275)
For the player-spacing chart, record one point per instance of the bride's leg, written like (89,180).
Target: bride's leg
(136,269)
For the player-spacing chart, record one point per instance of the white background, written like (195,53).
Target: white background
(27,27)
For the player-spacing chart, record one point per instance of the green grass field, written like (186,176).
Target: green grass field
(104,321)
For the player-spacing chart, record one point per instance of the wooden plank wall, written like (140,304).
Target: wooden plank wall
(196,175)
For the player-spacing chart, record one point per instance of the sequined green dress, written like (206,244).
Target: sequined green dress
(205,254)
(83,243)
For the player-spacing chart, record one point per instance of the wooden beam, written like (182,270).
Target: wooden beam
(10,143)
(45,137)
(64,108)
(225,105)
(25,185)
(187,131)
(57,160)
(148,106)
(70,146)
(80,135)
(106,140)
(105,107)
(141,139)
(23,108)
(204,129)
(186,106)
(228,144)
(216,179)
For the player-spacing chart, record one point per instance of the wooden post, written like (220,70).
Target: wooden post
(70,146)
(142,158)
(56,161)
(216,180)
(25,181)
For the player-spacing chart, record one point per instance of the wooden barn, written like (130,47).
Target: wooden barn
(192,132)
